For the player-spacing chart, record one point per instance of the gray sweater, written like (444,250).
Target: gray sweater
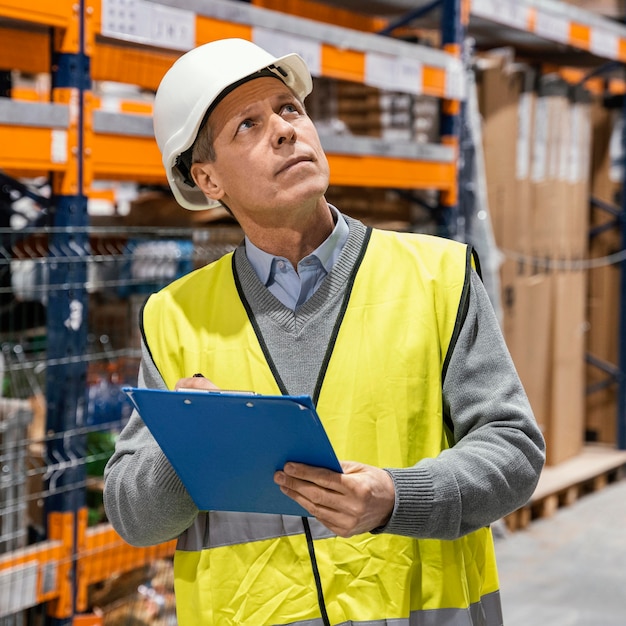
(491,470)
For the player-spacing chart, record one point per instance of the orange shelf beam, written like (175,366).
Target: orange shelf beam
(104,554)
(61,527)
(580,35)
(209,29)
(138,158)
(100,554)
(144,67)
(116,157)
(133,66)
(343,64)
(320,13)
(375,171)
(29,149)
(57,13)
(25,50)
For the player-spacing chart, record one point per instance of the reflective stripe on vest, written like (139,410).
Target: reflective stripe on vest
(487,611)
(380,402)
(217,529)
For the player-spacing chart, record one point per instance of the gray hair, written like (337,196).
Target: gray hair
(202,148)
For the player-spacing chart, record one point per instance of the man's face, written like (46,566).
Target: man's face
(268,153)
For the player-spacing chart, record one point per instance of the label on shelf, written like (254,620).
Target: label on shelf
(456,81)
(552,27)
(604,43)
(58,146)
(24,578)
(279,44)
(502,11)
(149,23)
(393,73)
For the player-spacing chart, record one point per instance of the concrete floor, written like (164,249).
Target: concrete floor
(569,569)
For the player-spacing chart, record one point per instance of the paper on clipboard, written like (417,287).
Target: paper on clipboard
(226,446)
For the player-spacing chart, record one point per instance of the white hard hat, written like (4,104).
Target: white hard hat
(196,82)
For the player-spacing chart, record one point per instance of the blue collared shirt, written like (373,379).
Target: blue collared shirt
(292,287)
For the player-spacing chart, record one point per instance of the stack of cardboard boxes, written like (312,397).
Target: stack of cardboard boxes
(537,138)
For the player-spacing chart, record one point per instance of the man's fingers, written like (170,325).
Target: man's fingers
(334,519)
(322,477)
(195,382)
(347,503)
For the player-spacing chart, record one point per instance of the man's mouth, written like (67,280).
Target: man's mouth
(292,162)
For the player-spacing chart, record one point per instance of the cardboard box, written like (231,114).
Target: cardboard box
(547,343)
(506,104)
(566,424)
(579,172)
(499,88)
(547,169)
(531,343)
(358,107)
(523,158)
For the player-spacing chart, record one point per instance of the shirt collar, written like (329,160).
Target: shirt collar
(326,253)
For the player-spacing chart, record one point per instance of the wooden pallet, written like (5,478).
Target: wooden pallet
(563,484)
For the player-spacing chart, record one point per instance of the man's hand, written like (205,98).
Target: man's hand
(195,382)
(357,501)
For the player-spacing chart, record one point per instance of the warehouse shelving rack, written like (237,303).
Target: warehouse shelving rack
(544,28)
(74,144)
(565,34)
(555,31)
(330,51)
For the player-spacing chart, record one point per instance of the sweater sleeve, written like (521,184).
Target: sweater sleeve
(499,453)
(144,499)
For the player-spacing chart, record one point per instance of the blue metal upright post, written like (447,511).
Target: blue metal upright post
(621,380)
(66,377)
(454,17)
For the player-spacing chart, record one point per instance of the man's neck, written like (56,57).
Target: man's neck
(292,240)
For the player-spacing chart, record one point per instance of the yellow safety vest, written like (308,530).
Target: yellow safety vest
(381,404)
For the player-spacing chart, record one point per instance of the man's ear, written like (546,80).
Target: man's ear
(203,176)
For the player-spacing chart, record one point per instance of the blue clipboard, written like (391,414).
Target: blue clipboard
(226,446)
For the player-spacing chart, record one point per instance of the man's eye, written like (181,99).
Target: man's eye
(290,108)
(245,125)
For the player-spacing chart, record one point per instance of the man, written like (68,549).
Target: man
(391,334)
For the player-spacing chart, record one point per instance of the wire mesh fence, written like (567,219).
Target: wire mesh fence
(58,555)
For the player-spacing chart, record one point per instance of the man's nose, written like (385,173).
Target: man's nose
(283,131)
